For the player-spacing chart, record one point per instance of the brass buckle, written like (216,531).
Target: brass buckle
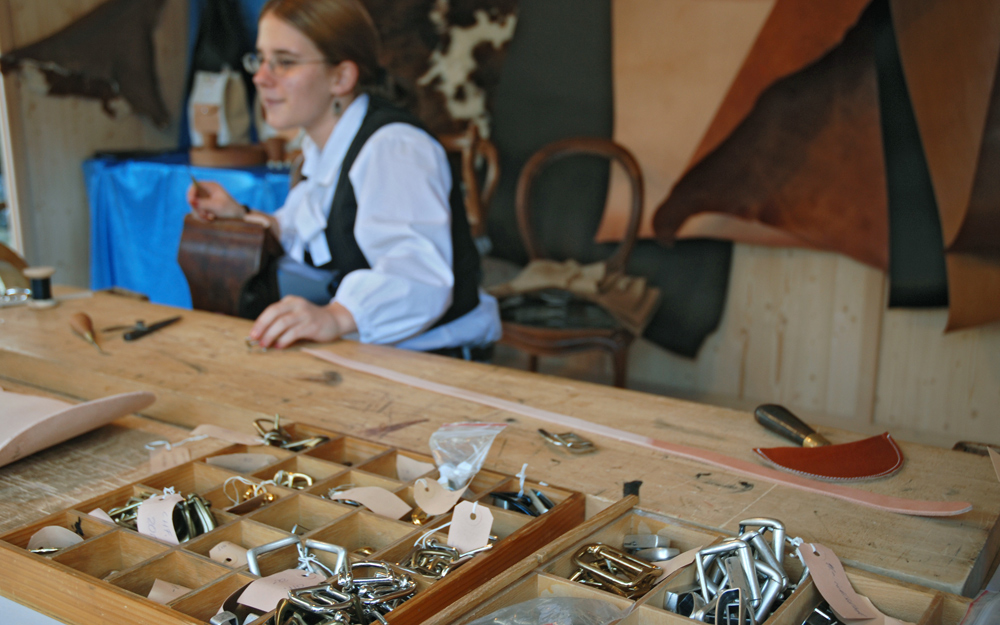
(569,441)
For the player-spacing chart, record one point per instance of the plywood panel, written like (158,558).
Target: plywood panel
(948,384)
(800,328)
(60,133)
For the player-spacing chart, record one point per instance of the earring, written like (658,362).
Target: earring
(338,107)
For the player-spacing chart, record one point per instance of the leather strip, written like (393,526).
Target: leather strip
(916,507)
(870,458)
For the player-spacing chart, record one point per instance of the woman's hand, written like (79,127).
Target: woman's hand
(293,319)
(209,201)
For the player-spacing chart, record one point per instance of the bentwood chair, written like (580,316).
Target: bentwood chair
(479,160)
(554,324)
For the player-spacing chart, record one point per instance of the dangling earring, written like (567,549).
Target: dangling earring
(338,107)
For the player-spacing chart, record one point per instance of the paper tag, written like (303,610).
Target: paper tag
(408,469)
(433,498)
(101,514)
(678,562)
(53,537)
(165,592)
(995,458)
(242,463)
(265,593)
(161,459)
(156,518)
(377,499)
(230,436)
(228,553)
(470,527)
(831,581)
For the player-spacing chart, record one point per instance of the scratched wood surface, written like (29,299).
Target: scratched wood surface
(83,467)
(202,371)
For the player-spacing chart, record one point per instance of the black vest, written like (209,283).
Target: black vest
(347,255)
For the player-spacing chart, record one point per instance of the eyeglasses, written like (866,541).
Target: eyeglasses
(279,66)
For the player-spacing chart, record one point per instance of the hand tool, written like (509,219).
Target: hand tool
(82,325)
(140,329)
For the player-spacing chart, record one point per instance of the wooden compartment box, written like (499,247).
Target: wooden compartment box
(106,578)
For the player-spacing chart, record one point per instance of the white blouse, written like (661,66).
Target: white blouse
(402,183)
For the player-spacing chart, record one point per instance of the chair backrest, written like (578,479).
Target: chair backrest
(579,146)
(475,149)
(8,255)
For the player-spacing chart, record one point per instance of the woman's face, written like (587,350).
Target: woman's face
(295,84)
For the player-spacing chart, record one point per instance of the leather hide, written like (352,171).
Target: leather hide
(446,56)
(107,53)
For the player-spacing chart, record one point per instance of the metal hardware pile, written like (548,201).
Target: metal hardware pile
(609,569)
(277,436)
(434,560)
(192,516)
(531,502)
(740,580)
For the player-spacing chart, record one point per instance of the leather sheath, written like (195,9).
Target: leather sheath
(875,457)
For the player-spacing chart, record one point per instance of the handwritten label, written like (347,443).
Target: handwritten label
(408,469)
(165,592)
(377,499)
(53,537)
(156,518)
(162,458)
(831,581)
(470,527)
(228,553)
(433,498)
(242,463)
(265,593)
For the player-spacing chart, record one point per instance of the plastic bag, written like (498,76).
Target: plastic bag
(554,611)
(984,610)
(459,450)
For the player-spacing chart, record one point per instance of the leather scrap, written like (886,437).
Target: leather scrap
(105,54)
(873,457)
(806,161)
(629,299)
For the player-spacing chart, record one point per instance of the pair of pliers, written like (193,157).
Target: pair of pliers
(140,329)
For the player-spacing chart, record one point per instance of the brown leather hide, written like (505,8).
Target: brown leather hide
(412,32)
(105,54)
(219,257)
(807,161)
(950,52)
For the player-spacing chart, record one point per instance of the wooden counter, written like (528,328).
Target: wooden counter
(202,372)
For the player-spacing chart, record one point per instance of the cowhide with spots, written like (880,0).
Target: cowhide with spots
(446,55)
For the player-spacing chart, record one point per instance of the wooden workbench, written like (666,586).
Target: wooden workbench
(202,372)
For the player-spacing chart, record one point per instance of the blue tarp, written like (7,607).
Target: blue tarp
(137,210)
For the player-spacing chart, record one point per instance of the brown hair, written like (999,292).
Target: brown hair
(341,29)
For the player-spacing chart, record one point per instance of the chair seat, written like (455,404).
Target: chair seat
(557,310)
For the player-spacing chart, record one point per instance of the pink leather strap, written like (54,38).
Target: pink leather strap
(917,507)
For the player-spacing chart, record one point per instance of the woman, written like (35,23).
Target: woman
(378,223)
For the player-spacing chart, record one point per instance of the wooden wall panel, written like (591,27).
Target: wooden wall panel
(60,133)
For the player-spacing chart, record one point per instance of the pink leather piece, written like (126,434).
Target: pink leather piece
(916,507)
(29,423)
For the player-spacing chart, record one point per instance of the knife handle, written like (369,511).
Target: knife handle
(781,421)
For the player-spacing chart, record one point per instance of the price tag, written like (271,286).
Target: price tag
(53,537)
(678,562)
(101,514)
(265,593)
(831,581)
(230,436)
(433,498)
(377,499)
(156,518)
(470,527)
(162,458)
(230,554)
(165,592)
(408,469)
(242,463)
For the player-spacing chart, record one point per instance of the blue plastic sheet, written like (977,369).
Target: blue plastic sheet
(137,209)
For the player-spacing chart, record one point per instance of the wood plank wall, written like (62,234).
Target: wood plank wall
(810,330)
(58,134)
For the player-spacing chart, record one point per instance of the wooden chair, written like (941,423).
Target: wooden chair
(219,258)
(12,267)
(473,149)
(596,329)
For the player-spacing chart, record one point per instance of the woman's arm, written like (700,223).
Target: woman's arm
(210,200)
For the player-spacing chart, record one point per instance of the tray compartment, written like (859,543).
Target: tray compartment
(245,533)
(364,529)
(203,604)
(193,477)
(110,553)
(347,451)
(175,567)
(385,464)
(89,525)
(318,470)
(309,513)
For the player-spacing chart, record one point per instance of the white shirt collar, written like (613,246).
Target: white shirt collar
(323,167)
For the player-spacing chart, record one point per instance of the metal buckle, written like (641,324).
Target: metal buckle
(609,569)
(569,441)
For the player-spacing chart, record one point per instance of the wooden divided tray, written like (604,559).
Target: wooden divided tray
(107,577)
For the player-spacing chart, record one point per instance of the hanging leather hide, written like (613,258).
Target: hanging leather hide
(105,54)
(807,161)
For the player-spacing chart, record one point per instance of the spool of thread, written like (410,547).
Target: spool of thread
(41,286)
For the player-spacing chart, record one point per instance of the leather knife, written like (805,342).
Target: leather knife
(141,329)
(781,421)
